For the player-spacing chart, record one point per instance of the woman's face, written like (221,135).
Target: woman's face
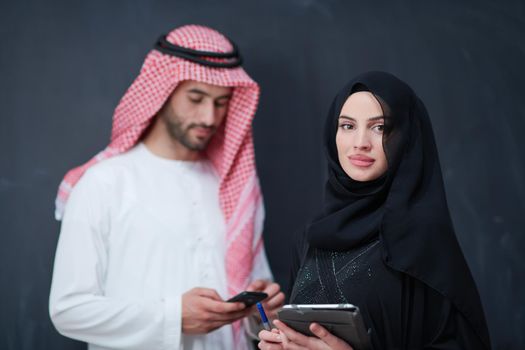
(359,137)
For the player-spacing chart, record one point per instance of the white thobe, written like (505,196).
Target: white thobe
(138,232)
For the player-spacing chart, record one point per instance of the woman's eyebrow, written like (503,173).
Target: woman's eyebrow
(372,119)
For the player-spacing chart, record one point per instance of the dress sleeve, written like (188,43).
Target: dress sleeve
(77,305)
(298,252)
(448,328)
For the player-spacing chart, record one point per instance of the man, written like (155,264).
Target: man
(166,223)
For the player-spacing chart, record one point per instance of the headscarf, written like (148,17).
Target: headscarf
(406,207)
(230,151)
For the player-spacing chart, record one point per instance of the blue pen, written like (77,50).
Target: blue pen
(264,319)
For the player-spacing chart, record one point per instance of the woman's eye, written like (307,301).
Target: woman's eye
(379,128)
(346,126)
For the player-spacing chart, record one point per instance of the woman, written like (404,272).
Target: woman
(384,240)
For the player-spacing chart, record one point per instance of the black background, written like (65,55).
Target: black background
(65,64)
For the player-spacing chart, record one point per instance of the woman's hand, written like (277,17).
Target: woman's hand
(288,338)
(270,340)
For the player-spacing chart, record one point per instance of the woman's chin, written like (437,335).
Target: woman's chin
(361,175)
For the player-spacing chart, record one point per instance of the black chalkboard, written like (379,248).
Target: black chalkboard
(65,64)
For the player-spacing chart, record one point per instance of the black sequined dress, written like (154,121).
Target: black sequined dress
(401,312)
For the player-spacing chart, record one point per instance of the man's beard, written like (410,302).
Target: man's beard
(178,133)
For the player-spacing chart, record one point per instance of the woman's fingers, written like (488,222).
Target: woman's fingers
(270,340)
(291,335)
(270,336)
(331,340)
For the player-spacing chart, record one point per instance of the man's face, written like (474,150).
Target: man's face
(194,112)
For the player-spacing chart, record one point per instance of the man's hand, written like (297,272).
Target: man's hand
(203,311)
(275,298)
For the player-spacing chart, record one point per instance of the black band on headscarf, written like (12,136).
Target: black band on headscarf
(233,58)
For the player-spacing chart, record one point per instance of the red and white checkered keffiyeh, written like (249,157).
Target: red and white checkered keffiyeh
(230,151)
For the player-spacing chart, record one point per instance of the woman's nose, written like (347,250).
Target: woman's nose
(362,141)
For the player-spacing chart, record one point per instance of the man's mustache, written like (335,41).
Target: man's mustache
(209,127)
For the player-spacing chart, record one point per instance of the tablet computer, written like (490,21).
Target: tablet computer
(342,320)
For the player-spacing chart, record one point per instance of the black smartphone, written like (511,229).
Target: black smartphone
(248,298)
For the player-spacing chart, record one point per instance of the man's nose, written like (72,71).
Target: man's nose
(207,113)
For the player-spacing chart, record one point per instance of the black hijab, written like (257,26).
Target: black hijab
(406,207)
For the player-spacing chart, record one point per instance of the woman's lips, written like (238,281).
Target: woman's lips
(361,160)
